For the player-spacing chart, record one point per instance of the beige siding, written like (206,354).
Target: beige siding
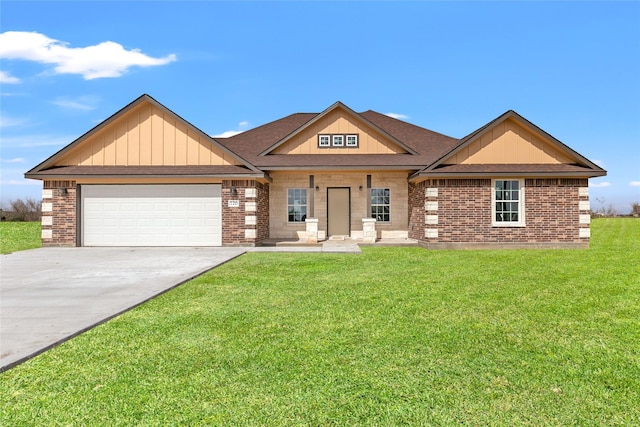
(395,181)
(146,136)
(509,142)
(338,122)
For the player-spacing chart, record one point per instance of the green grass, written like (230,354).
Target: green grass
(395,336)
(18,236)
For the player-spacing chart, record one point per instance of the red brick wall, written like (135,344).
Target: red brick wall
(464,212)
(63,230)
(234,226)
(416,210)
(262,211)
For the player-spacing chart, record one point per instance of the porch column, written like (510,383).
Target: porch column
(311,234)
(369,230)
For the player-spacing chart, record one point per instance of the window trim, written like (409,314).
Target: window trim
(320,144)
(333,140)
(346,140)
(371,204)
(306,206)
(521,204)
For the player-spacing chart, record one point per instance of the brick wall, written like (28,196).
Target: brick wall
(416,210)
(457,213)
(59,213)
(245,221)
(262,212)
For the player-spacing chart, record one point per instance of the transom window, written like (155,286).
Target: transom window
(324,141)
(508,202)
(338,140)
(297,204)
(380,204)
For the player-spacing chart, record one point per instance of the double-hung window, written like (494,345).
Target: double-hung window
(508,202)
(380,204)
(296,204)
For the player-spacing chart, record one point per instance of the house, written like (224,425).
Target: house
(147,177)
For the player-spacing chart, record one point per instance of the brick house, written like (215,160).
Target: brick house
(147,177)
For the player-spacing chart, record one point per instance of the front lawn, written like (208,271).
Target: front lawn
(395,336)
(18,236)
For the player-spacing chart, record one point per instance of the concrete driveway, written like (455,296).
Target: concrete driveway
(50,295)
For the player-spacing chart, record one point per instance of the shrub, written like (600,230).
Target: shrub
(26,210)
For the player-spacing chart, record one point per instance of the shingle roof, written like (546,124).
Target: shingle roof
(427,145)
(427,151)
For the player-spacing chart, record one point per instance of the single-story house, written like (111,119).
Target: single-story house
(147,177)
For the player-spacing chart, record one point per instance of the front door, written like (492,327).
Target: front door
(338,211)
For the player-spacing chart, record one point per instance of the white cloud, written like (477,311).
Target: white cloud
(599,184)
(7,122)
(397,116)
(20,182)
(635,183)
(37,140)
(83,103)
(5,78)
(14,160)
(599,163)
(106,59)
(228,134)
(243,125)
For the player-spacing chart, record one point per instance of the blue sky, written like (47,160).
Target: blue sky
(572,68)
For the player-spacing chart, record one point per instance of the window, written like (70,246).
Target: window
(508,202)
(352,140)
(324,141)
(380,202)
(297,204)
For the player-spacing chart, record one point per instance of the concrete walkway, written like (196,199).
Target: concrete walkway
(50,295)
(344,247)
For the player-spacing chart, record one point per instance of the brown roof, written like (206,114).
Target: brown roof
(511,169)
(427,151)
(144,171)
(427,145)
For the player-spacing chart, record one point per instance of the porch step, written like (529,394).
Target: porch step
(337,237)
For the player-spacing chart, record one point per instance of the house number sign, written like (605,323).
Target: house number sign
(234,203)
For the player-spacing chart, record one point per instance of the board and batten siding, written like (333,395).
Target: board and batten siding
(337,122)
(509,143)
(146,136)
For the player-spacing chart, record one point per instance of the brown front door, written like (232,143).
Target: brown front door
(338,211)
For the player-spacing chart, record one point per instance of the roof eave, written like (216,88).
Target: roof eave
(44,175)
(435,174)
(342,167)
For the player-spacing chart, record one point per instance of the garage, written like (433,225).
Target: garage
(151,215)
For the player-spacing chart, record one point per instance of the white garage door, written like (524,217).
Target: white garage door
(151,215)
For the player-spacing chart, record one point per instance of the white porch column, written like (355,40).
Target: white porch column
(369,230)
(311,233)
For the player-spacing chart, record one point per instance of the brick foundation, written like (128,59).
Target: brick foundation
(59,213)
(459,216)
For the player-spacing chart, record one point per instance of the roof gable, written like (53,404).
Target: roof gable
(338,119)
(510,139)
(144,133)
